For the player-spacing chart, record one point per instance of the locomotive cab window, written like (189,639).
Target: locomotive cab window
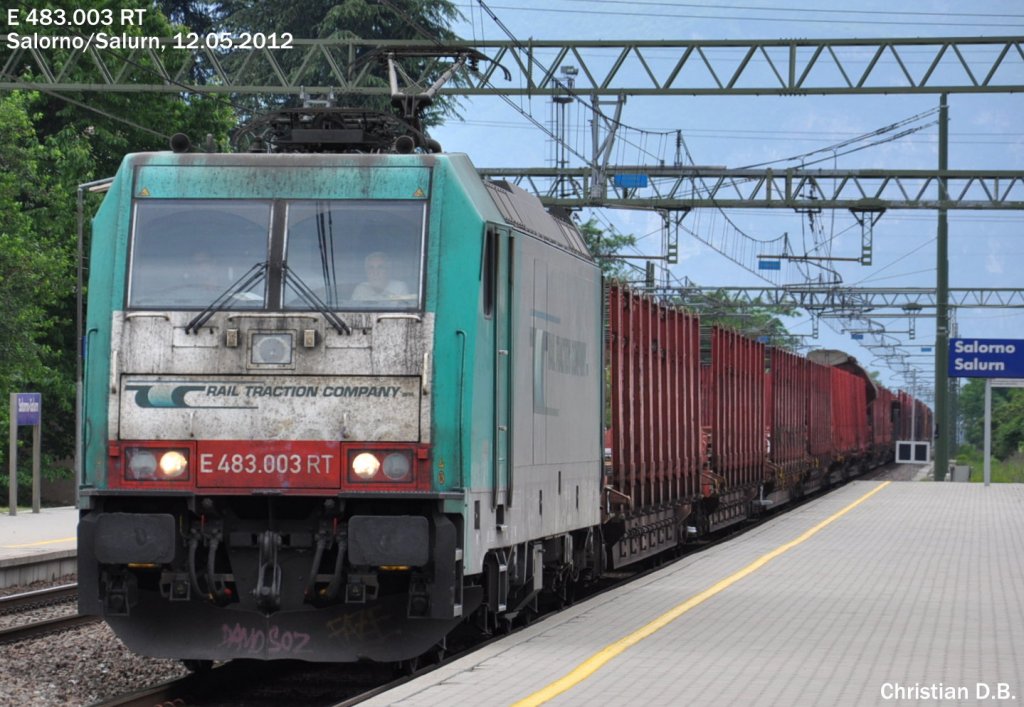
(188,252)
(355,255)
(342,254)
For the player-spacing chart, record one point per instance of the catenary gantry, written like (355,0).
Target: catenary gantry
(816,298)
(781,67)
(687,187)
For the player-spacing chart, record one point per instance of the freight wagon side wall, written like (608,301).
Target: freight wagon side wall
(844,435)
(849,414)
(859,402)
(654,381)
(922,422)
(738,423)
(881,419)
(906,403)
(787,393)
(819,410)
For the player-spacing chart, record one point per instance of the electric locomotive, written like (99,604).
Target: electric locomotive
(336,402)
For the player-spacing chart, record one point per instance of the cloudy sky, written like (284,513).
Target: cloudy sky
(986,133)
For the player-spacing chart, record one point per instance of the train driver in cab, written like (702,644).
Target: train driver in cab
(378,286)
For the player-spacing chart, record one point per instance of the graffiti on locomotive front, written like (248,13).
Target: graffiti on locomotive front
(273,641)
(293,408)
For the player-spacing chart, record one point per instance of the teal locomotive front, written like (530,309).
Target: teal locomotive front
(335,405)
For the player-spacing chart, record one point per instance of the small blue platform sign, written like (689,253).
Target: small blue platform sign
(986,358)
(30,408)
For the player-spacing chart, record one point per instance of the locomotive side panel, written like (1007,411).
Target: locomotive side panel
(523,363)
(556,391)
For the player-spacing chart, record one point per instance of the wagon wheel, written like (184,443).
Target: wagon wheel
(408,667)
(567,597)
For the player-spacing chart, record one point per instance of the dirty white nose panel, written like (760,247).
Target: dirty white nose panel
(337,408)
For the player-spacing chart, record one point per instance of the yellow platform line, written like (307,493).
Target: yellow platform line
(41,542)
(592,664)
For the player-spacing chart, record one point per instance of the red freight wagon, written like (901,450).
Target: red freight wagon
(654,381)
(738,444)
(881,424)
(906,416)
(922,422)
(819,413)
(787,389)
(849,414)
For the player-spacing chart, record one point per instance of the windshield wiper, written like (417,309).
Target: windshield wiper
(253,275)
(310,298)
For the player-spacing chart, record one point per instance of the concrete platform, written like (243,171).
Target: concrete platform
(915,594)
(35,546)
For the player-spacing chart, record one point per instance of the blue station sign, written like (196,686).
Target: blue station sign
(29,408)
(986,358)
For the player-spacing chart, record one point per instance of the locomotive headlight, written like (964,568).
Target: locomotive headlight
(156,464)
(386,468)
(173,464)
(365,465)
(141,464)
(397,466)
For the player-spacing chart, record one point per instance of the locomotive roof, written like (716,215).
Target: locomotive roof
(525,211)
(517,207)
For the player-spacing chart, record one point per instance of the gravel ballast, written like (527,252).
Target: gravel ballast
(77,667)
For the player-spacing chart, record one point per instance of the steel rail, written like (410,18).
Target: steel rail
(42,628)
(38,598)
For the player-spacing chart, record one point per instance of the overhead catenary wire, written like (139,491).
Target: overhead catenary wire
(104,113)
(836,147)
(797,10)
(127,58)
(634,13)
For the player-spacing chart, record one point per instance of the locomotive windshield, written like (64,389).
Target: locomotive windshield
(356,255)
(186,252)
(352,255)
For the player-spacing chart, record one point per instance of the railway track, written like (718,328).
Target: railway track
(257,683)
(40,599)
(249,683)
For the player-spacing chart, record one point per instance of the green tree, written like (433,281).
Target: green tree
(358,19)
(1007,417)
(605,246)
(198,16)
(1008,434)
(37,267)
(117,122)
(52,143)
(752,318)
